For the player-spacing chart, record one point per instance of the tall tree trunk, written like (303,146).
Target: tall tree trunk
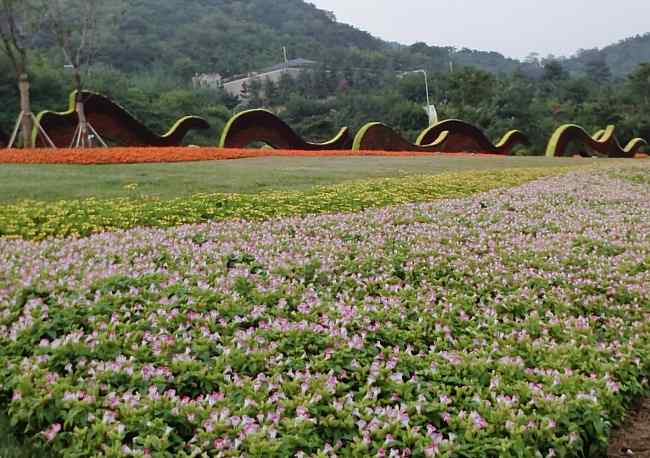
(25,110)
(84,132)
(84,140)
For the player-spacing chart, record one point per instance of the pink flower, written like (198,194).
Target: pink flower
(477,420)
(431,450)
(109,416)
(52,431)
(613,386)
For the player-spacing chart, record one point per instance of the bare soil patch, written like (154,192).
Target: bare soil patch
(634,438)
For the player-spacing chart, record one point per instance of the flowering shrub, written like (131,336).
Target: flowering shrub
(38,220)
(510,323)
(180,154)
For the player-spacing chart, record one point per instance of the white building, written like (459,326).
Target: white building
(207,81)
(236,86)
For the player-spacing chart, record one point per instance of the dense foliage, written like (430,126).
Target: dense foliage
(512,323)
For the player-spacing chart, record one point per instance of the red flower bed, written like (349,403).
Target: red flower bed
(156,155)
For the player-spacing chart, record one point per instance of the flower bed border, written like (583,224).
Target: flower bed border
(180,154)
(36,220)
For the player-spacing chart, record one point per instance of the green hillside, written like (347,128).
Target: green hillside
(622,58)
(236,36)
(227,36)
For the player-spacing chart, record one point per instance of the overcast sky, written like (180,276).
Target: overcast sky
(512,27)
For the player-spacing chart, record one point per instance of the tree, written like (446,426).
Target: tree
(471,87)
(576,91)
(639,83)
(77,26)
(408,117)
(598,70)
(533,59)
(554,71)
(19,22)
(254,92)
(411,87)
(270,91)
(286,87)
(419,47)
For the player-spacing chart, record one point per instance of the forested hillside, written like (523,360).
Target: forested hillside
(228,36)
(622,57)
(237,36)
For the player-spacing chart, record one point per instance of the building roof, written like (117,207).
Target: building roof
(292,63)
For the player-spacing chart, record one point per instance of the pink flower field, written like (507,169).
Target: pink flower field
(511,323)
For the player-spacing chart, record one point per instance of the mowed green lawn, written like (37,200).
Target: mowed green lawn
(56,182)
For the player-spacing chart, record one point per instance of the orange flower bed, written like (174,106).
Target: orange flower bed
(180,154)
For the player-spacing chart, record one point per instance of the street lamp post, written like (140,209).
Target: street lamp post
(432,118)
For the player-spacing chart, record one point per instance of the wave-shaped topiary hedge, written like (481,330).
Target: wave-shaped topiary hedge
(378,136)
(602,143)
(463,136)
(447,136)
(253,126)
(113,122)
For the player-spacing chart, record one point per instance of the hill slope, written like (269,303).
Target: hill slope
(225,35)
(622,57)
(237,36)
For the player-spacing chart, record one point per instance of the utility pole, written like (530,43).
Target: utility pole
(286,59)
